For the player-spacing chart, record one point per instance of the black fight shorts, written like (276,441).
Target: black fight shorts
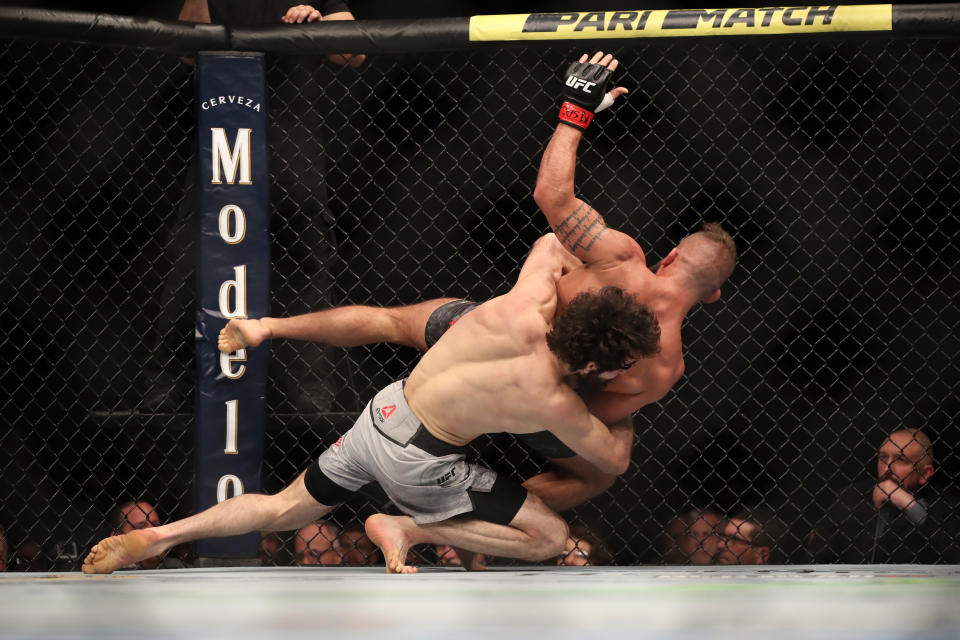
(444,317)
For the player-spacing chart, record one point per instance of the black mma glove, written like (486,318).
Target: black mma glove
(584,93)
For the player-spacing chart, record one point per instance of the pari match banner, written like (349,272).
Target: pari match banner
(648,23)
(233,278)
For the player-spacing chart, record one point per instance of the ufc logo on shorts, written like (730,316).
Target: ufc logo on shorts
(580,83)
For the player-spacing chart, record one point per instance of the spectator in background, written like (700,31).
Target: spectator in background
(896,518)
(139,514)
(3,550)
(271,551)
(29,557)
(691,538)
(134,514)
(258,13)
(317,543)
(753,536)
(584,549)
(356,549)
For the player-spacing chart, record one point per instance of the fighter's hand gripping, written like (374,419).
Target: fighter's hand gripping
(585,89)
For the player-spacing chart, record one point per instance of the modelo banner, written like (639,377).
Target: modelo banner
(233,275)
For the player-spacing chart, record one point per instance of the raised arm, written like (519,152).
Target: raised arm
(578,226)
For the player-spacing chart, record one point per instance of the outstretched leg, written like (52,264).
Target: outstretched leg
(290,509)
(350,326)
(535,533)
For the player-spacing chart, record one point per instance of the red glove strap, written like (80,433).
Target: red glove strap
(575,115)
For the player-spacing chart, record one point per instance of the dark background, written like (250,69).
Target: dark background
(833,163)
(371,10)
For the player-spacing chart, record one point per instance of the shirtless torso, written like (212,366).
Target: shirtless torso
(650,378)
(493,372)
(480,377)
(614,258)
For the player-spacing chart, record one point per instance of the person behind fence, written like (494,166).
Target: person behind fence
(505,367)
(316,543)
(754,536)
(897,517)
(691,538)
(30,557)
(3,549)
(355,546)
(237,13)
(134,515)
(270,552)
(584,548)
(691,273)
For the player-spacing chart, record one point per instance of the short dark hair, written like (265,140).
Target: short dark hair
(119,515)
(608,327)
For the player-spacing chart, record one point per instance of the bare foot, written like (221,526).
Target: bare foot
(241,333)
(110,554)
(470,560)
(387,533)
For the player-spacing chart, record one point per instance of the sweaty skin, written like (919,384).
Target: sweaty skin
(647,381)
(492,372)
(612,258)
(650,378)
(483,374)
(609,258)
(480,376)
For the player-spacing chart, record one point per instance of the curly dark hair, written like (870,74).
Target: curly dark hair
(608,327)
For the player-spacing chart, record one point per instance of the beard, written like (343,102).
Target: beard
(588,384)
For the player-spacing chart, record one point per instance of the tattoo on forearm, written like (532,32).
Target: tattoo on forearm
(581,229)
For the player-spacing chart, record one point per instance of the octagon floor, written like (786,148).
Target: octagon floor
(876,602)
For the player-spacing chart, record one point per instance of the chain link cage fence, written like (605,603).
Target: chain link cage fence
(833,163)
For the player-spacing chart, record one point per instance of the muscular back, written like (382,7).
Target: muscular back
(491,372)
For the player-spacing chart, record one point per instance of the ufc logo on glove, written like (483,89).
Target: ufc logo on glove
(577,83)
(584,91)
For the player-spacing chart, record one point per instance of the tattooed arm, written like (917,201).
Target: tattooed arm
(578,225)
